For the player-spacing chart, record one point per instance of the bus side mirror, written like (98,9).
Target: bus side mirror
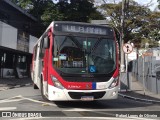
(46,43)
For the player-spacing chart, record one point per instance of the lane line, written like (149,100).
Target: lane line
(12,99)
(5,101)
(20,97)
(7,108)
(36,101)
(15,97)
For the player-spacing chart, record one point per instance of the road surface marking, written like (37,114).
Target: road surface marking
(12,99)
(7,108)
(37,101)
(20,97)
(5,101)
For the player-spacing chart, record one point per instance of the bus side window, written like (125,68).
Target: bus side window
(35,53)
(42,50)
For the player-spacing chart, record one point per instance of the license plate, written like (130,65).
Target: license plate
(87,98)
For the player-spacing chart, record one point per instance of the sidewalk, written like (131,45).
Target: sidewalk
(137,92)
(9,83)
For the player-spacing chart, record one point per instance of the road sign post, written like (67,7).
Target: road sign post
(127,49)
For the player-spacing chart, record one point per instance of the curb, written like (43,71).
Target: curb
(18,86)
(138,99)
(15,86)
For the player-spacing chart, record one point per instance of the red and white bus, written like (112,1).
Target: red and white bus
(76,61)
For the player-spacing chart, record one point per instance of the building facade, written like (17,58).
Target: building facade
(18,34)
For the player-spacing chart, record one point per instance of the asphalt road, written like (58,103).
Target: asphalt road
(21,101)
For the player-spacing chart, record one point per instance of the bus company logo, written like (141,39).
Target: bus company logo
(88,86)
(74,86)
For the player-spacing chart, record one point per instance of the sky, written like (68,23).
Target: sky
(142,2)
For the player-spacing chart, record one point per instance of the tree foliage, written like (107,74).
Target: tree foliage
(46,11)
(139,21)
(79,10)
(37,8)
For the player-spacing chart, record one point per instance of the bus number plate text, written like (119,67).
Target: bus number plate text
(87,98)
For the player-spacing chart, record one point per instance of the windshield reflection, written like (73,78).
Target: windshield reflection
(81,55)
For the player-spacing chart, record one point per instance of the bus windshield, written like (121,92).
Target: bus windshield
(83,55)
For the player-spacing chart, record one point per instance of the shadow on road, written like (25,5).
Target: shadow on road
(119,103)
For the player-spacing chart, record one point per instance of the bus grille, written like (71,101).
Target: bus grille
(78,95)
(85,79)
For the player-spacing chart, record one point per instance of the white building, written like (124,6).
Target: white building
(17,38)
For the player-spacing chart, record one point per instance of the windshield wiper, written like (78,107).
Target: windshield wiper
(73,40)
(96,45)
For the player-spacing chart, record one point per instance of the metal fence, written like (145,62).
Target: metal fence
(147,71)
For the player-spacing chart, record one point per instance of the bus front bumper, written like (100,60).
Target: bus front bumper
(56,94)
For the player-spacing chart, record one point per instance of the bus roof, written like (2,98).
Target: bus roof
(84,23)
(71,22)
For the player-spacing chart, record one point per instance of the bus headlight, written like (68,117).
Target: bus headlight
(114,83)
(56,82)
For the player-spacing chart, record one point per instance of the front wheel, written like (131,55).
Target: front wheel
(42,92)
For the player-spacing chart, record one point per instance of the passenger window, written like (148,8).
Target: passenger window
(42,50)
(35,53)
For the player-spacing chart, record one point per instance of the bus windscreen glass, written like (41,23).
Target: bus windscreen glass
(83,55)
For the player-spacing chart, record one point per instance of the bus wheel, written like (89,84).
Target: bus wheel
(42,92)
(35,86)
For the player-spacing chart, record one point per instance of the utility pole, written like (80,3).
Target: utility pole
(122,64)
(122,38)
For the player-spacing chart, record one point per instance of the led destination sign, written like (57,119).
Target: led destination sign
(88,29)
(84,29)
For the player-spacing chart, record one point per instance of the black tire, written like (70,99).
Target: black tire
(42,92)
(35,86)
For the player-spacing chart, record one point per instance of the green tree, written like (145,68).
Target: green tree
(139,20)
(154,26)
(46,11)
(79,10)
(25,4)
(50,14)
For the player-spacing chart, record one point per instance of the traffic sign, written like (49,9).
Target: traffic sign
(127,48)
